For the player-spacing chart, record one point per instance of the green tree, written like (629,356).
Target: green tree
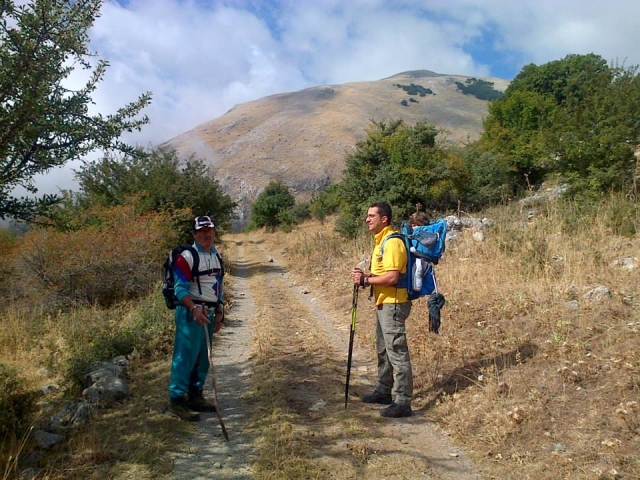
(569,80)
(43,123)
(491,179)
(515,128)
(404,166)
(326,203)
(273,207)
(575,117)
(594,141)
(159,181)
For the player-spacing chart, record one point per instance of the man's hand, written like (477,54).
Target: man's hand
(200,315)
(357,276)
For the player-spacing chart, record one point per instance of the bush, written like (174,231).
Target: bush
(287,219)
(325,204)
(106,344)
(116,256)
(16,403)
(267,210)
(301,211)
(7,278)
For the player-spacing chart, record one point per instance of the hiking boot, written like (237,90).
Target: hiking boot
(377,397)
(397,410)
(198,403)
(180,407)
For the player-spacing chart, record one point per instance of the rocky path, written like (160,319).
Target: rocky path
(312,341)
(210,456)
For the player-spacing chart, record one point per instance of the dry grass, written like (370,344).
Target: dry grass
(524,380)
(123,442)
(520,376)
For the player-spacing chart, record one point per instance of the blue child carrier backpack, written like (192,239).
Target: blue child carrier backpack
(427,241)
(425,246)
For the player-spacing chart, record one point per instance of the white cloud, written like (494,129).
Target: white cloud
(201,57)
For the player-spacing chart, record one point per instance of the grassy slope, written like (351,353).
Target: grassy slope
(522,378)
(525,381)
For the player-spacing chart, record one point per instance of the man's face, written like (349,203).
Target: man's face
(374,221)
(204,237)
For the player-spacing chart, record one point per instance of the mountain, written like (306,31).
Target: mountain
(301,138)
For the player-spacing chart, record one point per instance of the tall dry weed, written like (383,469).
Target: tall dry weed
(116,257)
(536,367)
(46,339)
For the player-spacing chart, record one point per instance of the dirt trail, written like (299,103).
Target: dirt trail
(210,456)
(356,443)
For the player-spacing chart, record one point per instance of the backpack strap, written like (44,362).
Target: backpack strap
(196,273)
(212,271)
(404,281)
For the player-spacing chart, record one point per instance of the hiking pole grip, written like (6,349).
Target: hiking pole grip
(213,383)
(354,309)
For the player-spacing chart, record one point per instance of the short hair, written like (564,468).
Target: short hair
(419,218)
(384,210)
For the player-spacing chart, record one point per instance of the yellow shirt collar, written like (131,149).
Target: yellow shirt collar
(383,233)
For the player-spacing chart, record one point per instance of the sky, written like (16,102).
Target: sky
(199,58)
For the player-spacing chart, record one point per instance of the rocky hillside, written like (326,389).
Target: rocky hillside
(301,138)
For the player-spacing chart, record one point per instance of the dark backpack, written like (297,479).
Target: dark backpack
(425,243)
(168,290)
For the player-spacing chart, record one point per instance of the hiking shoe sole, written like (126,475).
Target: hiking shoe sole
(199,404)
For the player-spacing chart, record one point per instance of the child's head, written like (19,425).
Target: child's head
(418,218)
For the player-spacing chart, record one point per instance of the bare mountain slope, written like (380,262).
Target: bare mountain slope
(301,138)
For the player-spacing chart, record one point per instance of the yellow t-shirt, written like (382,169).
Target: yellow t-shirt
(395,258)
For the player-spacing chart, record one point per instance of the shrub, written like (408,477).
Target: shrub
(300,211)
(93,334)
(267,210)
(325,204)
(104,345)
(286,220)
(17,403)
(114,257)
(7,248)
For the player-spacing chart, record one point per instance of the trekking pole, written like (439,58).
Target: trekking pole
(213,383)
(354,309)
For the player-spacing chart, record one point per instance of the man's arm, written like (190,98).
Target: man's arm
(390,277)
(183,278)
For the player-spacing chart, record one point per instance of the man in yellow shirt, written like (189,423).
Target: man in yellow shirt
(395,377)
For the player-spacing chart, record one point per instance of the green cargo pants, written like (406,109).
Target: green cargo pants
(393,352)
